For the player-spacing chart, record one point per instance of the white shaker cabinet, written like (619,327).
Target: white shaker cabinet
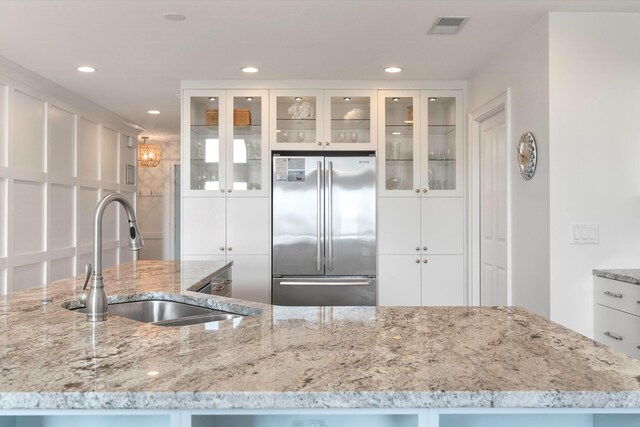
(203,226)
(442,280)
(399,226)
(442,225)
(399,280)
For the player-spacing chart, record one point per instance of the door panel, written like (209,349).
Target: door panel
(399,280)
(298,218)
(443,225)
(248,226)
(251,278)
(443,280)
(399,226)
(203,229)
(350,193)
(493,211)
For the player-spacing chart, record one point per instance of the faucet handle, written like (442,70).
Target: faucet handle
(84,294)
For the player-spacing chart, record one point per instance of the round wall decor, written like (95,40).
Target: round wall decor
(527,155)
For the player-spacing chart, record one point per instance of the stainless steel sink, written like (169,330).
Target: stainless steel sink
(166,313)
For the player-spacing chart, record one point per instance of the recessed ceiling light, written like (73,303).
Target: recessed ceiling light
(174,16)
(432,99)
(393,69)
(395,133)
(213,98)
(346,98)
(86,69)
(153,112)
(249,69)
(395,99)
(249,98)
(298,98)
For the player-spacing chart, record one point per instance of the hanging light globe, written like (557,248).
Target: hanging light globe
(148,154)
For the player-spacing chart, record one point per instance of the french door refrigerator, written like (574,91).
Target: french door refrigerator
(324,229)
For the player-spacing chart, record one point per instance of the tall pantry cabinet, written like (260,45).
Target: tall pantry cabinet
(225,185)
(421,198)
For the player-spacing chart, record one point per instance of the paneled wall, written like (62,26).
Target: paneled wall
(56,162)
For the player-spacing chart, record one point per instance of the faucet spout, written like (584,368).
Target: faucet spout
(96,300)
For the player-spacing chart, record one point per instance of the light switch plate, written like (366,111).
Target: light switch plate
(585,234)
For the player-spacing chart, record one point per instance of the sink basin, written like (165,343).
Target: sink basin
(166,313)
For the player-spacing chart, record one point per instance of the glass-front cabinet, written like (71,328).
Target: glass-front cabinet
(323,120)
(420,150)
(226,142)
(399,148)
(442,157)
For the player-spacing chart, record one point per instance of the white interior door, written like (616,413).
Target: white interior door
(493,211)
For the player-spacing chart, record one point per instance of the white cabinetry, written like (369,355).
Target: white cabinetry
(225,204)
(323,120)
(617,315)
(421,207)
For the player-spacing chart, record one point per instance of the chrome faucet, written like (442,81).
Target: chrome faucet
(96,298)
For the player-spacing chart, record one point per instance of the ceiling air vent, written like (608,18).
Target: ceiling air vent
(448,24)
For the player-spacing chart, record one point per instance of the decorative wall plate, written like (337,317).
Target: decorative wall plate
(527,155)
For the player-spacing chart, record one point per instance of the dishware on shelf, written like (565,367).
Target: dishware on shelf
(396,148)
(300,136)
(341,137)
(393,183)
(285,136)
(354,137)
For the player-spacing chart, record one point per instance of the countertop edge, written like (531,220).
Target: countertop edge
(318,400)
(620,275)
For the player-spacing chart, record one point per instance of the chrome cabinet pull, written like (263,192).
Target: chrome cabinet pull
(424,248)
(425,261)
(319,142)
(612,294)
(417,248)
(417,190)
(417,261)
(219,288)
(319,220)
(425,190)
(222,248)
(330,213)
(614,336)
(327,143)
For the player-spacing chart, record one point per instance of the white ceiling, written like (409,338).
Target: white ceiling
(142,57)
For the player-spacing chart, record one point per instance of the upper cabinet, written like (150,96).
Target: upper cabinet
(421,143)
(225,142)
(323,120)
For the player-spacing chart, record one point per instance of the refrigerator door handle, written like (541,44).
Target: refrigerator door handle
(319,219)
(330,215)
(325,283)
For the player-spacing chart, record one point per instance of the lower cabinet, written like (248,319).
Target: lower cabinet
(232,229)
(409,280)
(616,320)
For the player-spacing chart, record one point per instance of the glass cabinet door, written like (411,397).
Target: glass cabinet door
(296,120)
(350,121)
(442,173)
(399,149)
(246,144)
(204,121)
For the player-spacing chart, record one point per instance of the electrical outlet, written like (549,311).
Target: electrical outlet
(585,234)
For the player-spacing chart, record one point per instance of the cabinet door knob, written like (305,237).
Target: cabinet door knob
(327,143)
(229,248)
(417,261)
(319,142)
(425,190)
(425,261)
(417,190)
(417,248)
(424,248)
(229,190)
(222,190)
(222,248)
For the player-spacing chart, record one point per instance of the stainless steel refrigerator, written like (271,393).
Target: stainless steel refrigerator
(324,229)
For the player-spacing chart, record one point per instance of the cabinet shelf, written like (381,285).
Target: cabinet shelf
(398,160)
(441,129)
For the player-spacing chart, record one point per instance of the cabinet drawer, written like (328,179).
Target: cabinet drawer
(619,295)
(618,330)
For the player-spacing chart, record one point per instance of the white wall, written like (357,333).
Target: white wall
(59,153)
(524,67)
(595,153)
(156,203)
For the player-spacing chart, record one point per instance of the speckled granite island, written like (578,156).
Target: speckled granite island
(356,366)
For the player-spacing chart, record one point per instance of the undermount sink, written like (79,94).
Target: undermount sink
(166,313)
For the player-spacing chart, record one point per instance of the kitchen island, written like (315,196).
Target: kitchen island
(386,366)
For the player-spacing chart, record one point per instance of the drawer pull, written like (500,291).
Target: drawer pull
(219,288)
(614,336)
(613,294)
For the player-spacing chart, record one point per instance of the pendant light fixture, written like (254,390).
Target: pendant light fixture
(148,154)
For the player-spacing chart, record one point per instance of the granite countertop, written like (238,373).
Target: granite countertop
(621,274)
(294,357)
